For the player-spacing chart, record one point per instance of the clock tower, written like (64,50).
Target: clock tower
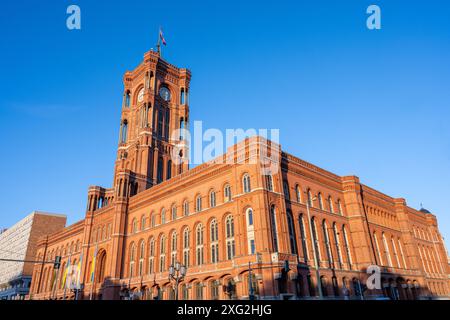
(155,107)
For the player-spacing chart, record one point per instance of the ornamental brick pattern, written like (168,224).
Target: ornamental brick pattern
(230,224)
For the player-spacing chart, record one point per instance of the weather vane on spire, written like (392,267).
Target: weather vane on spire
(160,39)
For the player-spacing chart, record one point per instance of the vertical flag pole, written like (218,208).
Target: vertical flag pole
(65,274)
(93,272)
(78,284)
(158,45)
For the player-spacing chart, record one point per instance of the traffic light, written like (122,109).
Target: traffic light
(57,262)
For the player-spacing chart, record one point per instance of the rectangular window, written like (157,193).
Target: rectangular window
(252,246)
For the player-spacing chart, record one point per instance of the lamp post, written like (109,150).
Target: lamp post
(316,260)
(177,273)
(251,291)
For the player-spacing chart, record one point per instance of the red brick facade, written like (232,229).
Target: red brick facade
(219,219)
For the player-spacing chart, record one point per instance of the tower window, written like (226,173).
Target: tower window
(246,183)
(127,98)
(123,131)
(182,96)
(169,169)
(160,170)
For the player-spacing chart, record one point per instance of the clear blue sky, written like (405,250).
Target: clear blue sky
(371,103)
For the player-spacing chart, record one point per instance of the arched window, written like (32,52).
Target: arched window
(186,247)
(287,194)
(133,228)
(330,204)
(250,231)
(143,223)
(127,98)
(327,242)
(340,207)
(141,258)
(316,239)
(163,216)
(199,244)
(227,193)
(169,169)
(199,291)
(174,212)
(160,123)
(337,243)
(298,193)
(132,260)
(123,131)
(273,223)
(386,250)
(347,247)
(229,233)
(162,254)
(401,253)
(303,237)
(214,237)
(182,96)
(269,182)
(173,247)
(186,208)
(319,197)
(166,125)
(377,248)
(394,249)
(246,183)
(160,170)
(214,285)
(292,237)
(153,219)
(310,199)
(212,199)
(151,255)
(198,203)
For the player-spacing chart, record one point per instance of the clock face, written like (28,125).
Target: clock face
(141,95)
(164,93)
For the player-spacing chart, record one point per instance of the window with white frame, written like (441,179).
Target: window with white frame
(186,208)
(186,247)
(163,216)
(337,243)
(327,242)
(386,250)
(162,254)
(141,258)
(173,255)
(198,203)
(298,193)
(330,204)
(291,229)
(273,223)
(303,238)
(269,182)
(174,212)
(212,199)
(199,244)
(151,254)
(214,239)
(227,193)
(229,234)
(246,183)
(132,260)
(250,231)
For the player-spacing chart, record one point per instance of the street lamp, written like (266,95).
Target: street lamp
(177,273)
(316,260)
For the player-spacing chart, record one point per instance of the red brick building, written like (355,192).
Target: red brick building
(231,225)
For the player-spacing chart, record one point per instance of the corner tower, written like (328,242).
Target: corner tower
(155,104)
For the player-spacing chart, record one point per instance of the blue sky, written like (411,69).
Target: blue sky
(353,101)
